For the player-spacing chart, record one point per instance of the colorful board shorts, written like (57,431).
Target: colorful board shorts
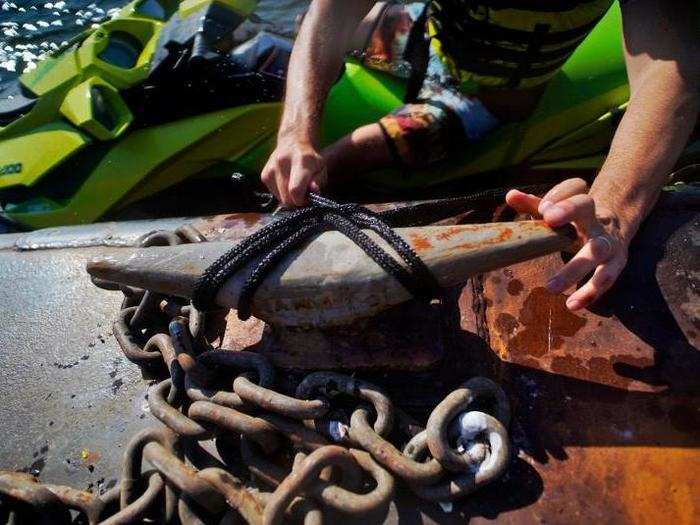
(441,119)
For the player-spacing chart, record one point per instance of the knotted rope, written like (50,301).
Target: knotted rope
(278,239)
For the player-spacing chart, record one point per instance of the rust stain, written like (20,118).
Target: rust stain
(566,364)
(641,338)
(504,235)
(449,232)
(639,485)
(654,486)
(469,245)
(506,323)
(420,242)
(235,226)
(241,335)
(514,287)
(248,219)
(191,268)
(581,367)
(544,317)
(535,329)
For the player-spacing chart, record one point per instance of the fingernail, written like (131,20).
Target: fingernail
(573,304)
(544,205)
(554,285)
(555,213)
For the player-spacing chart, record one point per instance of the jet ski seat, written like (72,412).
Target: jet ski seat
(15,101)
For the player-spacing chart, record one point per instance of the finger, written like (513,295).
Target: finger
(269,180)
(562,191)
(275,176)
(299,180)
(282,182)
(522,202)
(314,187)
(298,192)
(601,281)
(579,209)
(596,251)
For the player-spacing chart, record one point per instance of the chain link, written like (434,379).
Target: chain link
(333,442)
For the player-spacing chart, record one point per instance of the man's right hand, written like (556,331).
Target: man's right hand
(296,166)
(293,170)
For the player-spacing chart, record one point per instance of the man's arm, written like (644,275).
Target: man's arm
(296,164)
(662,52)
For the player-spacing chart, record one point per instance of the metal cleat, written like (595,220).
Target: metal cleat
(331,281)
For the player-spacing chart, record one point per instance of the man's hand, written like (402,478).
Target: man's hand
(293,170)
(296,166)
(604,250)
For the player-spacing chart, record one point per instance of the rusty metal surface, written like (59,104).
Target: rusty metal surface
(605,426)
(331,280)
(606,400)
(407,337)
(644,336)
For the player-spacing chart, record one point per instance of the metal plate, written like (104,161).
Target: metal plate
(606,426)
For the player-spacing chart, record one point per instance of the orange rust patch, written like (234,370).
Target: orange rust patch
(572,366)
(505,234)
(544,317)
(469,246)
(420,242)
(653,485)
(241,335)
(449,232)
(191,268)
(583,345)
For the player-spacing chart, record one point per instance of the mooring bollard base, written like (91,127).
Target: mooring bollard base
(407,337)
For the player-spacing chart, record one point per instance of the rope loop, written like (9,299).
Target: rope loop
(273,242)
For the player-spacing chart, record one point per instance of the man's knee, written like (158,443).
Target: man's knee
(419,135)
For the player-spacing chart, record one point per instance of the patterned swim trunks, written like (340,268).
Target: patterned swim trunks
(441,119)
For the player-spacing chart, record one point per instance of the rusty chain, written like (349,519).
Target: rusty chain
(335,442)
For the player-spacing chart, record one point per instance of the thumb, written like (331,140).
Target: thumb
(314,187)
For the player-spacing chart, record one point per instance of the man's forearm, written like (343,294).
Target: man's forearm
(661,115)
(316,60)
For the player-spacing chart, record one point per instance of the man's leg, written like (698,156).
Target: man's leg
(363,150)
(379,43)
(416,134)
(412,137)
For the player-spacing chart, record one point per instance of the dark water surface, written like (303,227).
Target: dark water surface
(30,28)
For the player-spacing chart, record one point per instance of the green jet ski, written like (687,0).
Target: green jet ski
(161,93)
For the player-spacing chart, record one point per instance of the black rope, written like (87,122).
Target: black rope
(284,235)
(276,240)
(423,213)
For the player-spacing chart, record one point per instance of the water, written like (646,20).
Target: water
(31,28)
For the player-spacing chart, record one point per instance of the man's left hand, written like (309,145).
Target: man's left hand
(603,251)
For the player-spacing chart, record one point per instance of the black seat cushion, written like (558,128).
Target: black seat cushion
(15,101)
